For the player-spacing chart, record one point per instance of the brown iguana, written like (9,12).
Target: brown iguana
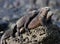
(26,22)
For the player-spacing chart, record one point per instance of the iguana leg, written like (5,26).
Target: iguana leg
(18,31)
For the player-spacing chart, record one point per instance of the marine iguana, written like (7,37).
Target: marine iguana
(23,21)
(38,20)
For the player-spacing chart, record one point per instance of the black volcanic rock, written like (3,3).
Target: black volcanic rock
(3,25)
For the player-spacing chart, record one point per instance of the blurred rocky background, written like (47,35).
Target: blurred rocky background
(12,10)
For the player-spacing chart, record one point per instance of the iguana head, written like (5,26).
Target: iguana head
(46,14)
(43,12)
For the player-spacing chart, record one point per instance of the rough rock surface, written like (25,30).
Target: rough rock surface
(39,35)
